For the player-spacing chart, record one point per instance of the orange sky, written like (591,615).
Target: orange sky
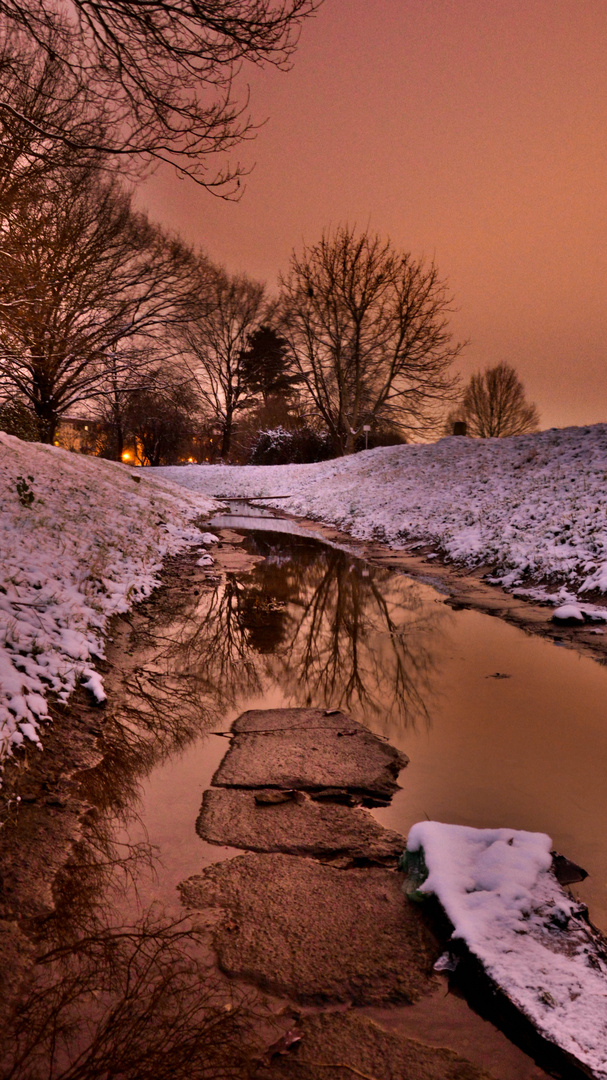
(471,131)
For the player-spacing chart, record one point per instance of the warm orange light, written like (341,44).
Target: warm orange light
(191,460)
(126,456)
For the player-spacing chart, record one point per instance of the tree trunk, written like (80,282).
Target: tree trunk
(226,436)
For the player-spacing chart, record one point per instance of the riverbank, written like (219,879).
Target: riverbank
(526,513)
(81,539)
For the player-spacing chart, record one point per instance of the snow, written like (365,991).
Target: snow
(78,543)
(497,890)
(532,508)
(567,612)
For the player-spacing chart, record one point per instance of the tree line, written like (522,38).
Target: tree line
(105,315)
(102,311)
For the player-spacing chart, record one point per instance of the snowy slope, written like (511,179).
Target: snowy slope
(531,508)
(79,541)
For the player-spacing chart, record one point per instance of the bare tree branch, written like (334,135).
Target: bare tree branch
(162,72)
(215,344)
(81,274)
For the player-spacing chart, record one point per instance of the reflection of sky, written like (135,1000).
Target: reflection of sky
(311,624)
(525,752)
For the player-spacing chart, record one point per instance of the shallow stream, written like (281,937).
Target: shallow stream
(501,728)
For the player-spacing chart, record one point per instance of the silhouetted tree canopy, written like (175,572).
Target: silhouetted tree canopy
(267,365)
(494,405)
(83,275)
(162,418)
(367,330)
(161,73)
(214,342)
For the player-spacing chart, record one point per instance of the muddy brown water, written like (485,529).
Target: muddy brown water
(502,728)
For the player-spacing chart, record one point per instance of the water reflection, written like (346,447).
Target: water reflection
(327,629)
(119,987)
(133,1001)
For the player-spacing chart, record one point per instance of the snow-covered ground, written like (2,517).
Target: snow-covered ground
(498,892)
(531,509)
(79,541)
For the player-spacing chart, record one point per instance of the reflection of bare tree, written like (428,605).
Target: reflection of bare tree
(189,664)
(352,636)
(137,1002)
(106,999)
(329,629)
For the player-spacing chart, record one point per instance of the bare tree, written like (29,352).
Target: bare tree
(367,327)
(41,103)
(494,404)
(80,275)
(215,343)
(163,72)
(162,418)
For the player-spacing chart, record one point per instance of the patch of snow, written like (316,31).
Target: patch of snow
(567,612)
(530,507)
(89,543)
(497,889)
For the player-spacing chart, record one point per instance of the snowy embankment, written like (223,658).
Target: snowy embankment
(80,539)
(532,509)
(532,939)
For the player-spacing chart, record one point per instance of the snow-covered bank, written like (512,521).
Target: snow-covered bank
(498,892)
(80,540)
(530,508)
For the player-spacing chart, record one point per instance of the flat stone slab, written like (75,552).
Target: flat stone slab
(316,934)
(298,826)
(344,1045)
(307,749)
(294,719)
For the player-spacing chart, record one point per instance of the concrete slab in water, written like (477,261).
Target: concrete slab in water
(290,719)
(345,1045)
(315,934)
(308,752)
(297,827)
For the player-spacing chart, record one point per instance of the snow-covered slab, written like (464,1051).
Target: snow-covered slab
(79,541)
(497,889)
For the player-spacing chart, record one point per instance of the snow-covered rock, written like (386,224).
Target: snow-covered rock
(79,541)
(568,613)
(506,906)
